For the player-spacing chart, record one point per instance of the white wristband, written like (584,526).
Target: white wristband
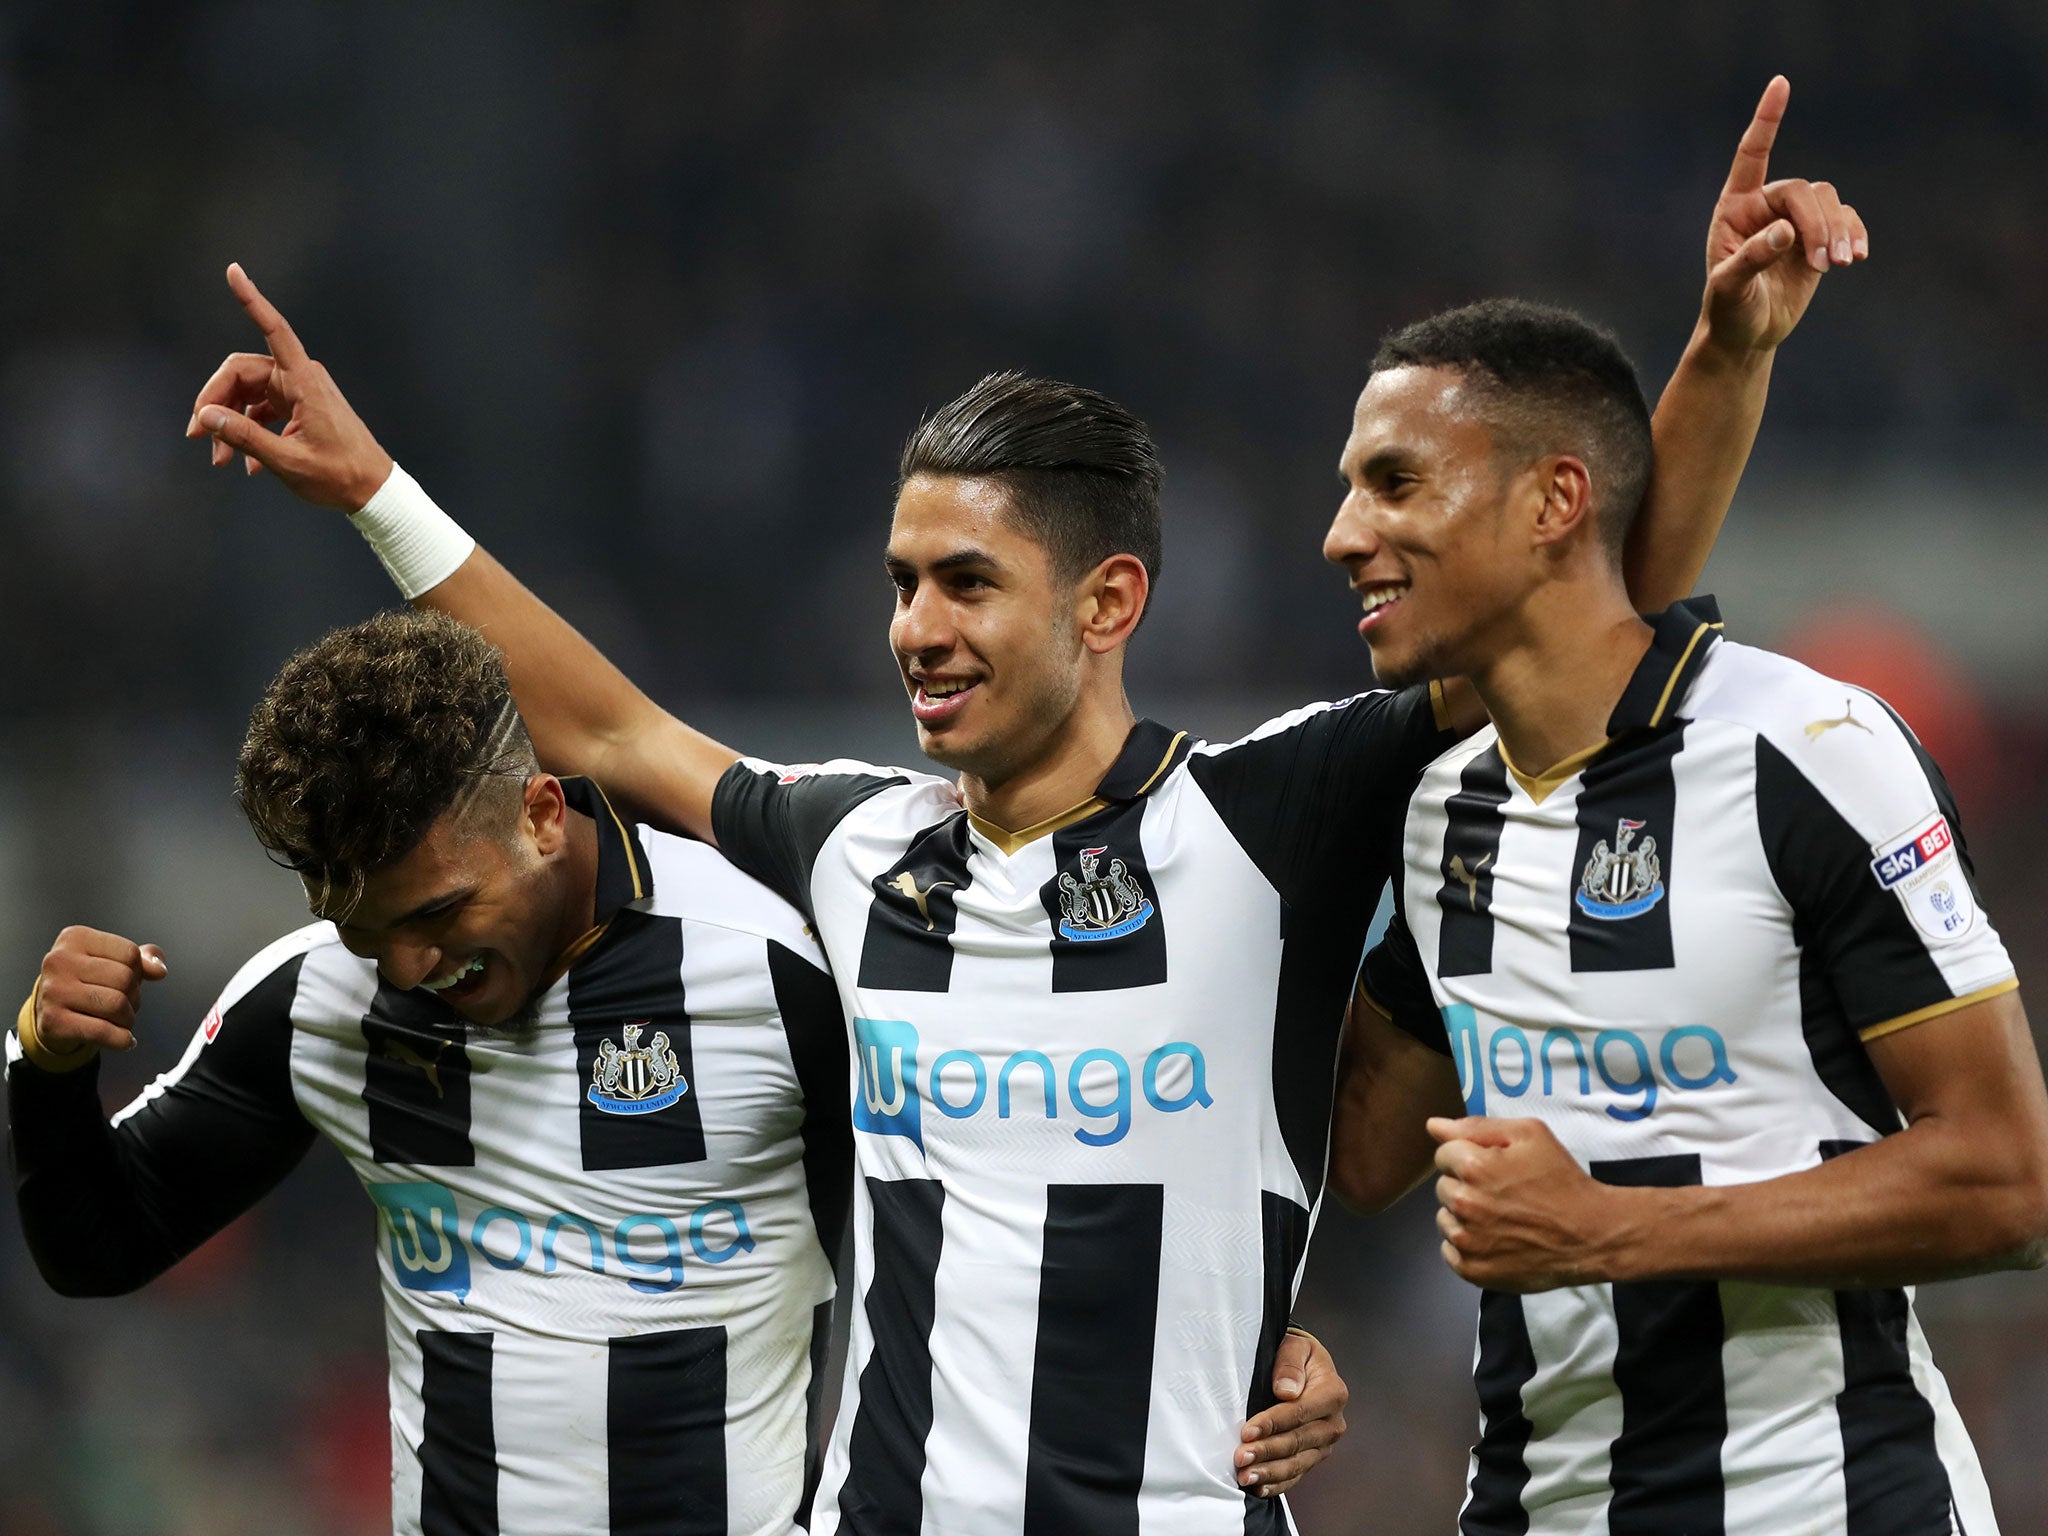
(420,545)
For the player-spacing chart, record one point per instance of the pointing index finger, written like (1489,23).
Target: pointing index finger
(283,342)
(1753,155)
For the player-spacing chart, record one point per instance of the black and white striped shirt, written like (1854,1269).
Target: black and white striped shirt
(1095,1063)
(1671,950)
(603,1272)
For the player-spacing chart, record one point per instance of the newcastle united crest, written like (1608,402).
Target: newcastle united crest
(639,1079)
(1101,904)
(1625,881)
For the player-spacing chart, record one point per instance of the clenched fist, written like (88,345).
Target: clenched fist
(89,989)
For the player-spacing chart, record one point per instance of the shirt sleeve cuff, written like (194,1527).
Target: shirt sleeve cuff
(1936,1010)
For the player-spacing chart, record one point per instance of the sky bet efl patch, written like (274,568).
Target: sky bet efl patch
(1923,869)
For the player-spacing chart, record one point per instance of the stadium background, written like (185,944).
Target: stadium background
(650,294)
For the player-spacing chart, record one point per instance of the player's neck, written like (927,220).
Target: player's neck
(1073,761)
(1552,689)
(579,880)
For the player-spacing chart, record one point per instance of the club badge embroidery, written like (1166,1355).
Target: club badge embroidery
(1101,905)
(639,1079)
(1625,881)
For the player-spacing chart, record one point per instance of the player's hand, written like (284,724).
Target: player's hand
(1770,241)
(323,452)
(1516,1210)
(1289,1438)
(89,989)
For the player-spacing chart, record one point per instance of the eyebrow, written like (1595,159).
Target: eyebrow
(430,906)
(958,560)
(1385,459)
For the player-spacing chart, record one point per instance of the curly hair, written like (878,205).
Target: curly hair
(366,739)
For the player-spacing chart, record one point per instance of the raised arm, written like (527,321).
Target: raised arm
(584,714)
(1768,245)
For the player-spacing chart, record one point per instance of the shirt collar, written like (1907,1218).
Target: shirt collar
(1682,636)
(623,874)
(1150,752)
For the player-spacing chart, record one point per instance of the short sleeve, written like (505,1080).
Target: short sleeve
(1395,983)
(1864,841)
(771,820)
(1317,797)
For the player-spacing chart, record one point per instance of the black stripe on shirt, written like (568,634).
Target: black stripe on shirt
(1283,1240)
(1665,1465)
(774,827)
(1318,962)
(1629,784)
(1471,856)
(1893,1479)
(885,1450)
(909,942)
(665,1433)
(458,1449)
(1091,1374)
(634,976)
(416,1080)
(1089,962)
(814,1026)
(1500,1461)
(814,1410)
(1861,960)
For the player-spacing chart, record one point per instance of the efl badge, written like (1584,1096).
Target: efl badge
(639,1079)
(1101,906)
(1924,870)
(1625,881)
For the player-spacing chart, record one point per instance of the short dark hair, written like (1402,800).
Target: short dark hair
(1082,472)
(1552,381)
(366,739)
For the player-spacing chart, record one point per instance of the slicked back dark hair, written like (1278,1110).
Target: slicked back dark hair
(1082,472)
(1549,381)
(367,738)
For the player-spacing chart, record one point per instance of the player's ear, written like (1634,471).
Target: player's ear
(1111,600)
(1565,488)
(544,814)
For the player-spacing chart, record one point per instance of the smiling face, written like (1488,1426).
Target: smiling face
(1433,527)
(476,912)
(988,640)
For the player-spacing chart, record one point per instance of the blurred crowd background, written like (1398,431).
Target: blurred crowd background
(649,295)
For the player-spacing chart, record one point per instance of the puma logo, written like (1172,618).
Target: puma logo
(1820,728)
(399,1051)
(1469,878)
(907,884)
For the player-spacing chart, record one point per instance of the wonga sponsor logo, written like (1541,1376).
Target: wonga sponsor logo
(430,1247)
(1099,1085)
(888,1104)
(1504,1061)
(426,1236)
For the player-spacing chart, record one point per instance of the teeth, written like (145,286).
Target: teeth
(1382,597)
(944,690)
(446,982)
